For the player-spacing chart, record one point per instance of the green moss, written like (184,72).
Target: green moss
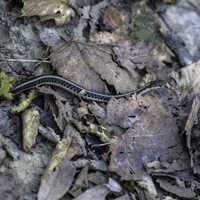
(24,102)
(6,85)
(144,27)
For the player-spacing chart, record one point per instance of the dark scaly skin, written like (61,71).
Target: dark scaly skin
(73,88)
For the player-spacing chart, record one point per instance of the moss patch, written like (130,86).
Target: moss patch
(24,102)
(6,85)
(144,27)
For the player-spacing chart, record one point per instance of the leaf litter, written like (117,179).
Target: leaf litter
(141,147)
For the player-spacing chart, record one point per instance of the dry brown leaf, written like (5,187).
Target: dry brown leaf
(192,133)
(59,154)
(77,147)
(152,135)
(55,184)
(133,56)
(182,192)
(80,183)
(123,113)
(31,121)
(71,145)
(69,63)
(97,193)
(113,18)
(58,10)
(92,66)
(188,78)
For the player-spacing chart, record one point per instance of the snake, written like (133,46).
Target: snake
(74,88)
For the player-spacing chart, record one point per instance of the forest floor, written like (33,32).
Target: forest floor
(55,145)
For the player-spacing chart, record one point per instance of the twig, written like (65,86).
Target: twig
(24,60)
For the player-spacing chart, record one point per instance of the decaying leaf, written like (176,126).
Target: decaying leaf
(28,168)
(192,120)
(92,67)
(69,62)
(149,187)
(59,154)
(188,78)
(49,134)
(60,171)
(112,18)
(133,56)
(182,192)
(98,178)
(152,135)
(58,10)
(55,184)
(162,61)
(139,152)
(80,183)
(100,132)
(31,121)
(123,113)
(97,193)
(95,14)
(77,147)
(99,165)
(100,192)
(62,111)
(10,148)
(192,133)
(114,186)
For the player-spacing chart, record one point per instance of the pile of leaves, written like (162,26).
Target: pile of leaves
(55,145)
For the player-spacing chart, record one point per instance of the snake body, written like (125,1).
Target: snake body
(73,88)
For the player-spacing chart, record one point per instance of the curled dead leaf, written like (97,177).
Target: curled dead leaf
(58,10)
(31,121)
